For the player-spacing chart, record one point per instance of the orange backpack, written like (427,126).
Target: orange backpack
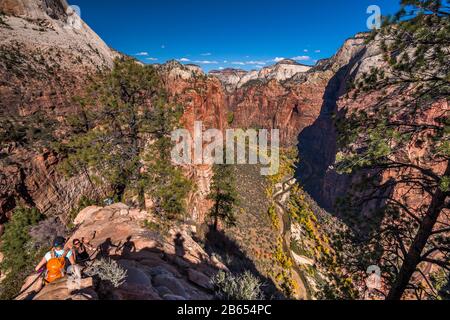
(55,267)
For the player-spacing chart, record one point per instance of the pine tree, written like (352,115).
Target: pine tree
(19,253)
(415,45)
(224,195)
(121,137)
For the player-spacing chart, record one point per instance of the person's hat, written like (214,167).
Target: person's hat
(59,242)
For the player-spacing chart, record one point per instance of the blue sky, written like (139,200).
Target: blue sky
(215,34)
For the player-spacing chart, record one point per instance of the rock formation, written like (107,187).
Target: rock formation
(44,63)
(161,264)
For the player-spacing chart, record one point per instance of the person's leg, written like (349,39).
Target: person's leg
(74,277)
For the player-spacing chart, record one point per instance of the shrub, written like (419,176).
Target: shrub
(230,118)
(274,218)
(20,253)
(237,287)
(45,231)
(108,270)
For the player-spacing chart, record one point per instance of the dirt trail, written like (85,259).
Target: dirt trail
(280,198)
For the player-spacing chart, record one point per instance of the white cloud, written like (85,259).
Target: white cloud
(184,60)
(206,62)
(206,54)
(244,63)
(141,54)
(256,62)
(221,68)
(306,50)
(317,51)
(151,59)
(225,61)
(163,46)
(301,58)
(278,59)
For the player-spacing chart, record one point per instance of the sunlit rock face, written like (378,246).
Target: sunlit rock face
(38,78)
(44,62)
(42,79)
(33,9)
(235,78)
(159,265)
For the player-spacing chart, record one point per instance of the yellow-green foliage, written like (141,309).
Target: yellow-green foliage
(301,212)
(274,217)
(288,158)
(283,260)
(287,283)
(284,277)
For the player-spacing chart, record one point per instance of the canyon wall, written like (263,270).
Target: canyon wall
(44,63)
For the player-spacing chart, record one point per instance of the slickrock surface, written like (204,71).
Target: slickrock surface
(165,264)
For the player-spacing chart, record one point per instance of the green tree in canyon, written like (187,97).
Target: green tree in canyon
(121,138)
(224,195)
(400,146)
(20,254)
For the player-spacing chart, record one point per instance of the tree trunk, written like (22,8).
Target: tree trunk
(216,223)
(119,191)
(413,258)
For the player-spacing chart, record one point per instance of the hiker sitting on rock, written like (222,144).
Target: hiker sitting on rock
(80,250)
(56,261)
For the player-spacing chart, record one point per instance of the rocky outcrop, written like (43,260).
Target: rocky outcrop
(161,264)
(317,142)
(35,181)
(43,59)
(229,77)
(42,9)
(46,56)
(281,71)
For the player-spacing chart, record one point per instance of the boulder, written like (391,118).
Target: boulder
(199,279)
(169,281)
(173,297)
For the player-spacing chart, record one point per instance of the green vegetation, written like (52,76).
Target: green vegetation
(34,132)
(284,277)
(274,218)
(20,254)
(230,118)
(237,287)
(380,139)
(224,195)
(122,111)
(441,282)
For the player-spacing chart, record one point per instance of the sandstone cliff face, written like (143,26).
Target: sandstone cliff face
(317,142)
(297,100)
(283,70)
(44,62)
(44,65)
(41,9)
(160,265)
(229,77)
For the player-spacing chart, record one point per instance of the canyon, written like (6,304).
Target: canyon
(44,64)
